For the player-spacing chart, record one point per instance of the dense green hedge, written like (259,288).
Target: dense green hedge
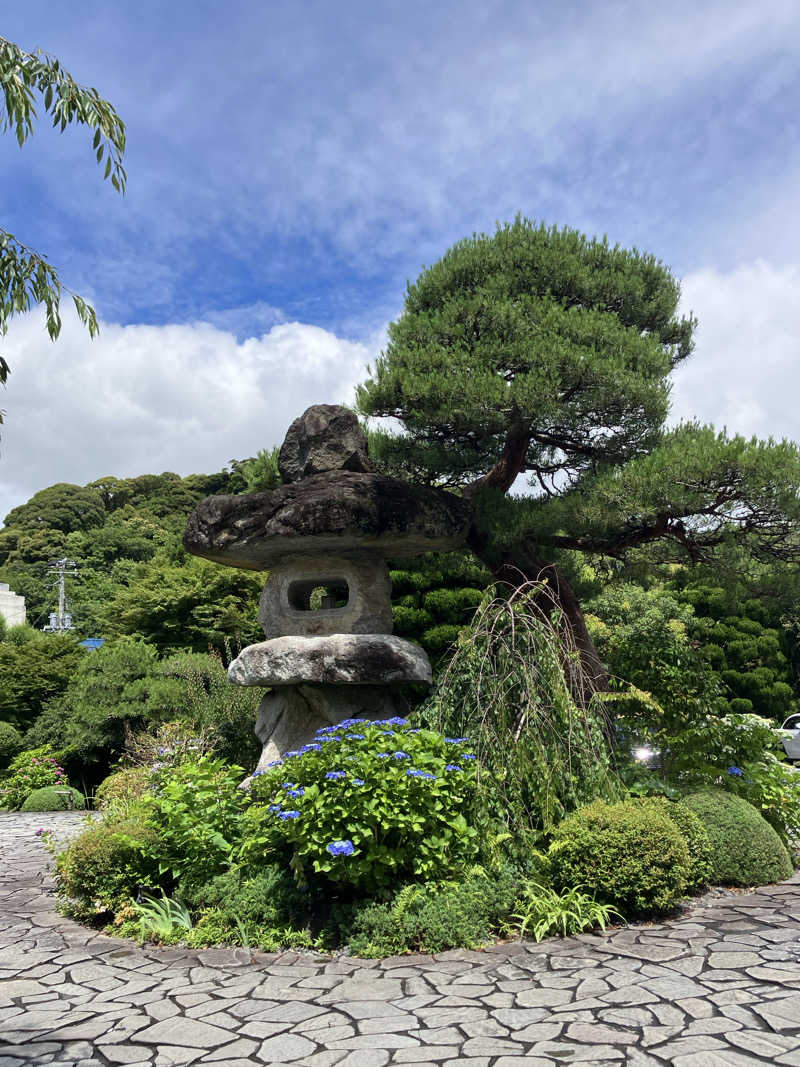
(745,849)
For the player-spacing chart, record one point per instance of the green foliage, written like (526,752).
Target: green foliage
(49,798)
(31,769)
(545,911)
(434,916)
(261,472)
(505,687)
(750,657)
(746,850)
(121,787)
(27,278)
(106,865)
(34,668)
(367,804)
(10,743)
(642,636)
(114,688)
(194,811)
(629,855)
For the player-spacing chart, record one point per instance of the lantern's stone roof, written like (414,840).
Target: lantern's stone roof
(338,659)
(335,512)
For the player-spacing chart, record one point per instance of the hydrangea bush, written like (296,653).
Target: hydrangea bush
(369,804)
(33,769)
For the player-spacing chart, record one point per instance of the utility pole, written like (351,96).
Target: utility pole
(61,620)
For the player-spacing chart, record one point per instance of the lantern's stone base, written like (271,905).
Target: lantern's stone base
(289,717)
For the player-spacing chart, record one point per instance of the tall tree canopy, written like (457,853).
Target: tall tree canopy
(26,278)
(540,351)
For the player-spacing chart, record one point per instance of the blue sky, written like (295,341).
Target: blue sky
(293,162)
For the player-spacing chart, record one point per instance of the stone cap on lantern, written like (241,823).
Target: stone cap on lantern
(325,534)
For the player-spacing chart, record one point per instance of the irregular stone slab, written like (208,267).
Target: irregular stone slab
(339,659)
(326,437)
(329,514)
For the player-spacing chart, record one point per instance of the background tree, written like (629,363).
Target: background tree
(539,351)
(26,278)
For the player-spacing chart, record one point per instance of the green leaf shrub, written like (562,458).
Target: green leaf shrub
(10,743)
(106,865)
(121,786)
(628,854)
(32,769)
(370,804)
(194,811)
(48,799)
(434,916)
(746,850)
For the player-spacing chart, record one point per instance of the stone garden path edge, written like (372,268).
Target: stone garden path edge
(717,985)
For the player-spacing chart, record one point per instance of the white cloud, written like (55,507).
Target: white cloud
(745,371)
(147,399)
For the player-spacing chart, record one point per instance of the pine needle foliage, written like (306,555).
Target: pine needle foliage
(505,687)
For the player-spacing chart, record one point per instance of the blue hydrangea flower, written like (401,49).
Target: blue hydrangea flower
(290,785)
(289,815)
(312,747)
(299,792)
(455,740)
(429,777)
(288,755)
(335,774)
(401,755)
(355,737)
(452,767)
(469,755)
(326,730)
(276,763)
(382,755)
(388,733)
(358,781)
(412,772)
(274,808)
(416,731)
(351,722)
(341,848)
(256,774)
(736,771)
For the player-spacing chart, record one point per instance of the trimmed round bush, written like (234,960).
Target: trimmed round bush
(120,786)
(48,798)
(629,855)
(11,743)
(745,849)
(697,841)
(104,867)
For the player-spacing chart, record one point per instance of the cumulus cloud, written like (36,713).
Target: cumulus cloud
(147,399)
(745,371)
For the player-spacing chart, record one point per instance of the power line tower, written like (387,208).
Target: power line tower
(62,619)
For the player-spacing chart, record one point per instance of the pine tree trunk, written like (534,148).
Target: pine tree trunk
(523,563)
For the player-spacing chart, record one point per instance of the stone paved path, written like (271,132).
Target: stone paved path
(720,985)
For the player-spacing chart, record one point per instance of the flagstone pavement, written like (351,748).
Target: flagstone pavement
(718,985)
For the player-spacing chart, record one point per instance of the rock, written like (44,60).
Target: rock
(338,659)
(289,717)
(361,587)
(337,513)
(324,438)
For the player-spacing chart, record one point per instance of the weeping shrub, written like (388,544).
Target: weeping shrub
(506,689)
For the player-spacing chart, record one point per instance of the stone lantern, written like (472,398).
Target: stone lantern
(325,536)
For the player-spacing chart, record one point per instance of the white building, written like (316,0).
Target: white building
(12,606)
